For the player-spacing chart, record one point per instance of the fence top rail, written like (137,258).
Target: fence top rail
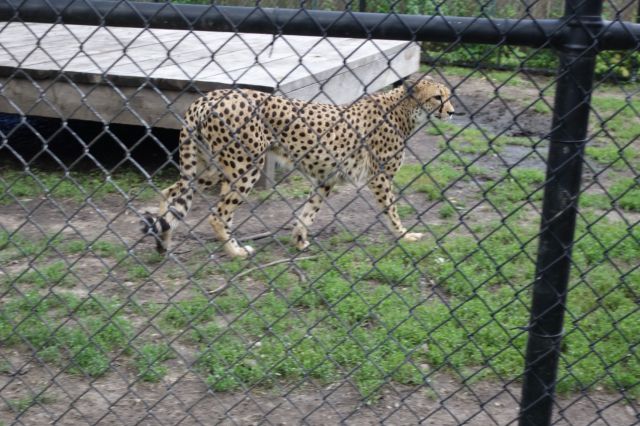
(610,35)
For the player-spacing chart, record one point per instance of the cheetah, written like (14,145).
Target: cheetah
(228,132)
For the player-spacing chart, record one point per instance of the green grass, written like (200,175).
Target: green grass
(430,180)
(624,193)
(447,211)
(542,107)
(509,78)
(610,154)
(50,275)
(514,187)
(627,193)
(362,310)
(597,201)
(472,141)
(406,211)
(138,272)
(83,344)
(19,405)
(365,313)
(294,186)
(15,184)
(149,361)
(614,122)
(15,246)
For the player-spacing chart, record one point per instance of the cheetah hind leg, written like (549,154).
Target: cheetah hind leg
(306,219)
(176,200)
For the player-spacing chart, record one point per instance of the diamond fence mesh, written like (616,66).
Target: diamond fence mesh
(428,257)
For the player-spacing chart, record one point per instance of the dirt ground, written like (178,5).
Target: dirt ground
(183,398)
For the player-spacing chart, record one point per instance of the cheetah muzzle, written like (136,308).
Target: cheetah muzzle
(227,134)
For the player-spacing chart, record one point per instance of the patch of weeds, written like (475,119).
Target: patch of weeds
(542,107)
(153,257)
(526,141)
(439,128)
(430,180)
(473,141)
(149,359)
(528,176)
(89,348)
(189,311)
(617,119)
(448,157)
(467,139)
(294,186)
(610,154)
(627,191)
(605,240)
(228,365)
(517,185)
(206,333)
(138,272)
(394,268)
(304,297)
(462,264)
(20,405)
(93,305)
(104,248)
(79,185)
(4,239)
(343,237)
(598,201)
(61,335)
(50,275)
(406,211)
(367,320)
(447,211)
(16,246)
(231,267)
(74,247)
(510,78)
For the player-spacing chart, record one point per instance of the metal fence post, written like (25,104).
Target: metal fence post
(577,54)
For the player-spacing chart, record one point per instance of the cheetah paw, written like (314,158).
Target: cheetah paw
(241,252)
(412,236)
(245,251)
(301,245)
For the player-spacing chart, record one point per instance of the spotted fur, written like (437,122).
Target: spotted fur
(228,133)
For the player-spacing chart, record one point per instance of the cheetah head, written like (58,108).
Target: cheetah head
(431,98)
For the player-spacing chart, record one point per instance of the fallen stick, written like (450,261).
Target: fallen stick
(257,236)
(223,287)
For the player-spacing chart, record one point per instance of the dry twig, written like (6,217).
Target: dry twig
(223,287)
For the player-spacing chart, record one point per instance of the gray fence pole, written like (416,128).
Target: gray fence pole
(564,170)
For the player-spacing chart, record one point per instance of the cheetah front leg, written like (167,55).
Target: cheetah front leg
(231,196)
(309,212)
(382,189)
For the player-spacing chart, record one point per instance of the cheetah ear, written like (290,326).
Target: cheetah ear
(410,82)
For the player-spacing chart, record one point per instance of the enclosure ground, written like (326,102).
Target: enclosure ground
(97,327)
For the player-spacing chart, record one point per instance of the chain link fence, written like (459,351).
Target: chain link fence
(496,301)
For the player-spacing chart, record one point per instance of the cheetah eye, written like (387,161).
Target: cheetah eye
(438,98)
